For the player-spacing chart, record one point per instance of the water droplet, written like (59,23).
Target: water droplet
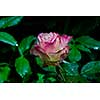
(96,48)
(16,44)
(65,62)
(72,69)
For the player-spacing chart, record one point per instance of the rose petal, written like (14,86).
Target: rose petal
(55,35)
(64,41)
(52,47)
(47,37)
(57,56)
(37,51)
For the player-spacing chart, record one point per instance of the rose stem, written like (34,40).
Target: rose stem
(60,73)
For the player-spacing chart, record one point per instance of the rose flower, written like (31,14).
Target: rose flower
(51,47)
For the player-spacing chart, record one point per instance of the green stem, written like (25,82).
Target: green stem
(21,54)
(60,74)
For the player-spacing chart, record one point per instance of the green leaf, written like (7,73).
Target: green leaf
(10,21)
(22,66)
(50,68)
(76,79)
(71,69)
(3,64)
(90,69)
(51,79)
(39,61)
(25,43)
(72,72)
(83,48)
(74,55)
(7,38)
(40,78)
(4,72)
(89,42)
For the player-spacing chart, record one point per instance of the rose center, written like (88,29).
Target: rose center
(47,37)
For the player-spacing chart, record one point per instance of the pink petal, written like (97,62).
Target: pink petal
(53,47)
(47,37)
(64,40)
(37,51)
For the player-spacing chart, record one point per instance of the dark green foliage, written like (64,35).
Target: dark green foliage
(91,69)
(82,64)
(39,61)
(83,48)
(71,69)
(50,68)
(40,78)
(25,44)
(89,42)
(22,66)
(7,38)
(4,72)
(10,21)
(74,55)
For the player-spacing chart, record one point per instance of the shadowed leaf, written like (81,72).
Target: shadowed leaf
(10,21)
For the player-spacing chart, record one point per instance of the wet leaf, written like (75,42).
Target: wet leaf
(90,69)
(74,55)
(10,21)
(22,66)
(76,79)
(71,69)
(25,43)
(4,72)
(83,48)
(89,42)
(7,38)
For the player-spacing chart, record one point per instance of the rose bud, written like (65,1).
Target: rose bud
(51,47)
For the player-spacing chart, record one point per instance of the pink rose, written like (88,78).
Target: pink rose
(51,48)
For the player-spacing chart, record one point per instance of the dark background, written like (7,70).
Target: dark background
(71,25)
